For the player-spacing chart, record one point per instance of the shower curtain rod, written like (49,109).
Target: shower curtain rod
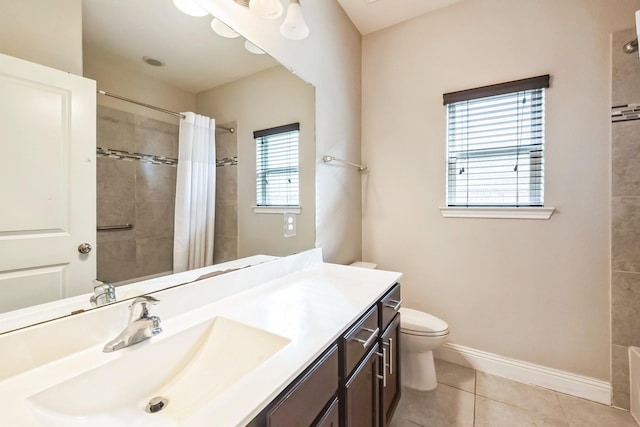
(162,110)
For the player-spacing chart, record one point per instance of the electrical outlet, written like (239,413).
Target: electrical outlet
(289,224)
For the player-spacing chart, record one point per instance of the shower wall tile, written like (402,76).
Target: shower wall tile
(155,137)
(226,142)
(227,183)
(625,70)
(625,300)
(116,212)
(225,249)
(625,158)
(115,129)
(131,191)
(154,256)
(115,203)
(226,219)
(155,182)
(116,179)
(625,234)
(154,219)
(620,376)
(116,260)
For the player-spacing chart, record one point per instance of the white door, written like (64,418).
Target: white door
(47,183)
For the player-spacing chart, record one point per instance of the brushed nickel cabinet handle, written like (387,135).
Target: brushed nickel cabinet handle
(374,335)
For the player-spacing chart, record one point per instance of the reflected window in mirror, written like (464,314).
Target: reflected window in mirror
(277,170)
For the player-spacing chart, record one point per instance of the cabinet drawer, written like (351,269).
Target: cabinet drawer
(308,396)
(359,339)
(389,306)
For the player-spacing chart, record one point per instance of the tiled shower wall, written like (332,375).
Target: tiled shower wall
(226,229)
(625,213)
(135,190)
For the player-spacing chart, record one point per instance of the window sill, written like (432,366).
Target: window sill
(500,213)
(276,209)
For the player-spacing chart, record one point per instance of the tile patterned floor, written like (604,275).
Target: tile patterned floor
(467,398)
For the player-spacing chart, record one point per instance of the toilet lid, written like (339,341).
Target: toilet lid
(421,323)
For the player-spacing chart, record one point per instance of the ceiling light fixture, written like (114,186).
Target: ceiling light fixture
(223,29)
(253,48)
(190,8)
(294,27)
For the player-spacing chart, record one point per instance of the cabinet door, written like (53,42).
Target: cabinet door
(390,394)
(331,417)
(362,393)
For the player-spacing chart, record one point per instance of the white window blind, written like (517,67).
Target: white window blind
(495,145)
(277,179)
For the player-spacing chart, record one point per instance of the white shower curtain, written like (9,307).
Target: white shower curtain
(195,193)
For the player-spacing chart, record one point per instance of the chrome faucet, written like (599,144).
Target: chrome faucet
(103,293)
(141,326)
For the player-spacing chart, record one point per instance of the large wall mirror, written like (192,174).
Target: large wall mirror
(187,67)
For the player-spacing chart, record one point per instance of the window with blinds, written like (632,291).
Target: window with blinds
(495,145)
(277,179)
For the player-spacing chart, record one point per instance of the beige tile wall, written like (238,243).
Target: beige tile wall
(625,218)
(132,192)
(226,229)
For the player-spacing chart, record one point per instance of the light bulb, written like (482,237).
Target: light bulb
(253,48)
(190,8)
(267,9)
(223,29)
(294,27)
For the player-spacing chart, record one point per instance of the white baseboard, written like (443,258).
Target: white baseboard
(528,373)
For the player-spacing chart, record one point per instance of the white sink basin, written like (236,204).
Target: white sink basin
(188,369)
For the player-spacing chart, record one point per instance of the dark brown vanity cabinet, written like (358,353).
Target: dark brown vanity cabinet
(390,393)
(361,393)
(390,344)
(360,372)
(356,381)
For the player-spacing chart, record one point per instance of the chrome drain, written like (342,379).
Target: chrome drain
(156,404)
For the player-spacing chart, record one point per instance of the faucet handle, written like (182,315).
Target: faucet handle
(142,301)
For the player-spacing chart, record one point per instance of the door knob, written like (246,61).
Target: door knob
(84,248)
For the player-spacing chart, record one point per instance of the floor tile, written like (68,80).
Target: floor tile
(493,401)
(542,402)
(457,376)
(443,407)
(491,413)
(584,413)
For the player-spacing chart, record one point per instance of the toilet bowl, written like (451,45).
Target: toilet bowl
(420,334)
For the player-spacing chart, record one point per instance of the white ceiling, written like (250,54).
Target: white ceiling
(373,15)
(123,31)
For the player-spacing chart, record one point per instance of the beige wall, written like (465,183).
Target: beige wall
(532,290)
(270,98)
(43,31)
(330,59)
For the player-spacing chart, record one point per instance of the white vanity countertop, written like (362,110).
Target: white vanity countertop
(311,306)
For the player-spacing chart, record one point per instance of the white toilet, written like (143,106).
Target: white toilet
(421,333)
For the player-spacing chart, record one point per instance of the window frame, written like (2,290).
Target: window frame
(265,206)
(487,210)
